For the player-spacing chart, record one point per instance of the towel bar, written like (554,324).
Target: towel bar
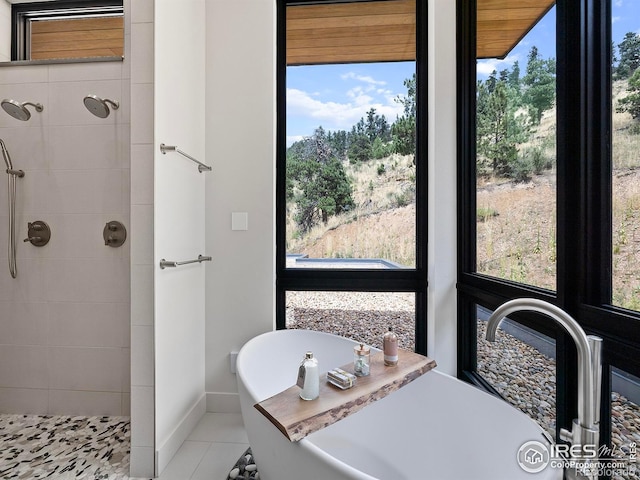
(172,148)
(168,263)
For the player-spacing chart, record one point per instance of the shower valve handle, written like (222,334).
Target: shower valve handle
(114,234)
(38,233)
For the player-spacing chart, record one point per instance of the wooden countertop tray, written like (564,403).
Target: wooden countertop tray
(297,418)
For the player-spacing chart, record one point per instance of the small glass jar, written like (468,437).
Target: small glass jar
(361,360)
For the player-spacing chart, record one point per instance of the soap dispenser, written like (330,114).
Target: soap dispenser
(309,378)
(390,348)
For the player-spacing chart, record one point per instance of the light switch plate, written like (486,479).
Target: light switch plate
(239,221)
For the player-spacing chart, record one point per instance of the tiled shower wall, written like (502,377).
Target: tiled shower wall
(143,448)
(65,319)
(5,26)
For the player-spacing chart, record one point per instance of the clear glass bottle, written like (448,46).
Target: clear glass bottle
(390,348)
(309,378)
(361,360)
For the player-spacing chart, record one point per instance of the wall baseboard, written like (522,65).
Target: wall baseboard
(165,453)
(220,402)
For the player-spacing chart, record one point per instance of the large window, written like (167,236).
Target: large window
(625,96)
(516,153)
(548,196)
(67,29)
(351,184)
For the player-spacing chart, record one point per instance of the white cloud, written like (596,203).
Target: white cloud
(618,3)
(362,78)
(291,139)
(615,19)
(485,67)
(333,115)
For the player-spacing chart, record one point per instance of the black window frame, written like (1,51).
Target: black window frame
(584,213)
(365,280)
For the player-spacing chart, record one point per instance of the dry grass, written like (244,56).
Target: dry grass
(381,226)
(516,230)
(519,243)
(626,238)
(626,145)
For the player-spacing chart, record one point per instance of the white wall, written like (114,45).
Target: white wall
(240,133)
(141,41)
(441,301)
(240,137)
(239,128)
(64,321)
(179,221)
(5,31)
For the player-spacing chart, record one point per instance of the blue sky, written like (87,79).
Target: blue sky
(337,96)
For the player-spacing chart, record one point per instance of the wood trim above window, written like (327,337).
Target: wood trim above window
(351,32)
(382,31)
(503,23)
(77,38)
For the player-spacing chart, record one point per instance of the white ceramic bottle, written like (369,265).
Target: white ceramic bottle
(309,378)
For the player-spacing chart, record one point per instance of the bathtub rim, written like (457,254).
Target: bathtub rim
(307,443)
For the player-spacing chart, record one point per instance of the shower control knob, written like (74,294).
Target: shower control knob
(38,233)
(114,234)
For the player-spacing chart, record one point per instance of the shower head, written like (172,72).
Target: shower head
(19,110)
(98,106)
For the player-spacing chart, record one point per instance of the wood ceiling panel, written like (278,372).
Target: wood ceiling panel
(379,31)
(78,38)
(503,23)
(351,32)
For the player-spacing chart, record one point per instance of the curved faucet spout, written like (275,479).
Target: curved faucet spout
(588,370)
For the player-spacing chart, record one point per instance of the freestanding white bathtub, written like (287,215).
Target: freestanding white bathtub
(437,427)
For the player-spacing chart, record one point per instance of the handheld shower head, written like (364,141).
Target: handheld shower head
(7,161)
(11,182)
(6,156)
(98,106)
(19,110)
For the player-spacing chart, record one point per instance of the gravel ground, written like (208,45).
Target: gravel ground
(361,316)
(523,375)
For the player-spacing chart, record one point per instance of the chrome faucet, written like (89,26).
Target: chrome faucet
(585,429)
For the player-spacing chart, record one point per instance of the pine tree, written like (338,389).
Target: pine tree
(359,149)
(403,130)
(499,127)
(316,181)
(631,103)
(539,84)
(629,51)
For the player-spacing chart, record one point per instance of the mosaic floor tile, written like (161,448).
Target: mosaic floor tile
(64,447)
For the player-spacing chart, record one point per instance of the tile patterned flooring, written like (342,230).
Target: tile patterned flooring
(64,447)
(97,448)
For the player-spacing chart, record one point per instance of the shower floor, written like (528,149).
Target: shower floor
(64,447)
